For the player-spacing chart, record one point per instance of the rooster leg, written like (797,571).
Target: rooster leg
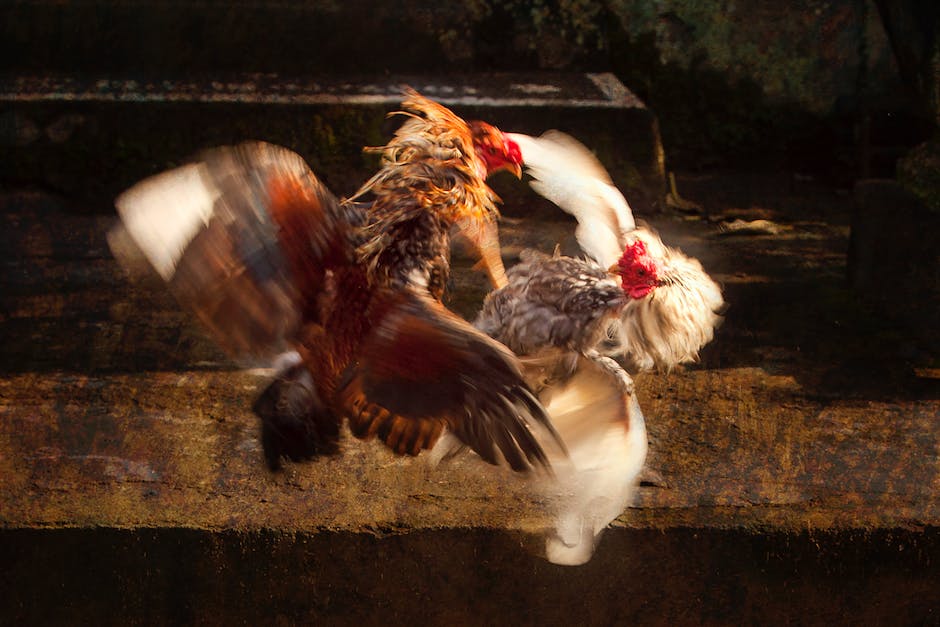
(496,274)
(614,370)
(484,236)
(295,424)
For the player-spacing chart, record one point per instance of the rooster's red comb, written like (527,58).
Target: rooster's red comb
(633,253)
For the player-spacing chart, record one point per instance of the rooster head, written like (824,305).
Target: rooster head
(495,149)
(638,270)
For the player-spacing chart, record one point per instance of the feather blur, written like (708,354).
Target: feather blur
(269,259)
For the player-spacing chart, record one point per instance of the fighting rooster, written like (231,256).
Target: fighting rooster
(656,305)
(633,297)
(269,260)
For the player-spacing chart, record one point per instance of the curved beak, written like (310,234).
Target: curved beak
(509,166)
(514,153)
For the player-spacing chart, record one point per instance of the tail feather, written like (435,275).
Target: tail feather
(295,423)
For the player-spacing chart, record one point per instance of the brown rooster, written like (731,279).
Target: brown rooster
(269,260)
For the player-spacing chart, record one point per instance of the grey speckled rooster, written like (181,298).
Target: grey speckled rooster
(655,305)
(631,298)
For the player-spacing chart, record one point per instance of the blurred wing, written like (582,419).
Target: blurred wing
(598,418)
(423,368)
(568,174)
(243,236)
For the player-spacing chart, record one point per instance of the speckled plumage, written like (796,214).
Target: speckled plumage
(431,180)
(667,321)
(551,302)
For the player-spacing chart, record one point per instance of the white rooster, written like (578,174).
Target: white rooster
(634,298)
(669,308)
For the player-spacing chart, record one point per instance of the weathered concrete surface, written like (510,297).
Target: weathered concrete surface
(90,138)
(180,449)
(800,460)
(804,52)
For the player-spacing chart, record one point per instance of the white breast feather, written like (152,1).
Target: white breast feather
(605,433)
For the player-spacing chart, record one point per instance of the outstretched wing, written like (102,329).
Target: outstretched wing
(598,418)
(423,369)
(243,236)
(568,174)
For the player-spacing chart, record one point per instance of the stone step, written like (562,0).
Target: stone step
(132,488)
(90,138)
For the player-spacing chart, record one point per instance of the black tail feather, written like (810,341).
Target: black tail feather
(295,425)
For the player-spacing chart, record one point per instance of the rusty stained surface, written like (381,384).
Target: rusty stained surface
(115,412)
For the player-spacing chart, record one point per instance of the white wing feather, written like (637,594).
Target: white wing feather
(163,213)
(599,419)
(568,174)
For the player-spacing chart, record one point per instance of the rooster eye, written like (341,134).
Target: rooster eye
(641,272)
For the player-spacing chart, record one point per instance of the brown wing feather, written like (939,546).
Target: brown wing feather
(247,315)
(243,236)
(423,368)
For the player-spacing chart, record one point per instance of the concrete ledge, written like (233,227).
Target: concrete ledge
(578,91)
(181,449)
(92,137)
(799,465)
